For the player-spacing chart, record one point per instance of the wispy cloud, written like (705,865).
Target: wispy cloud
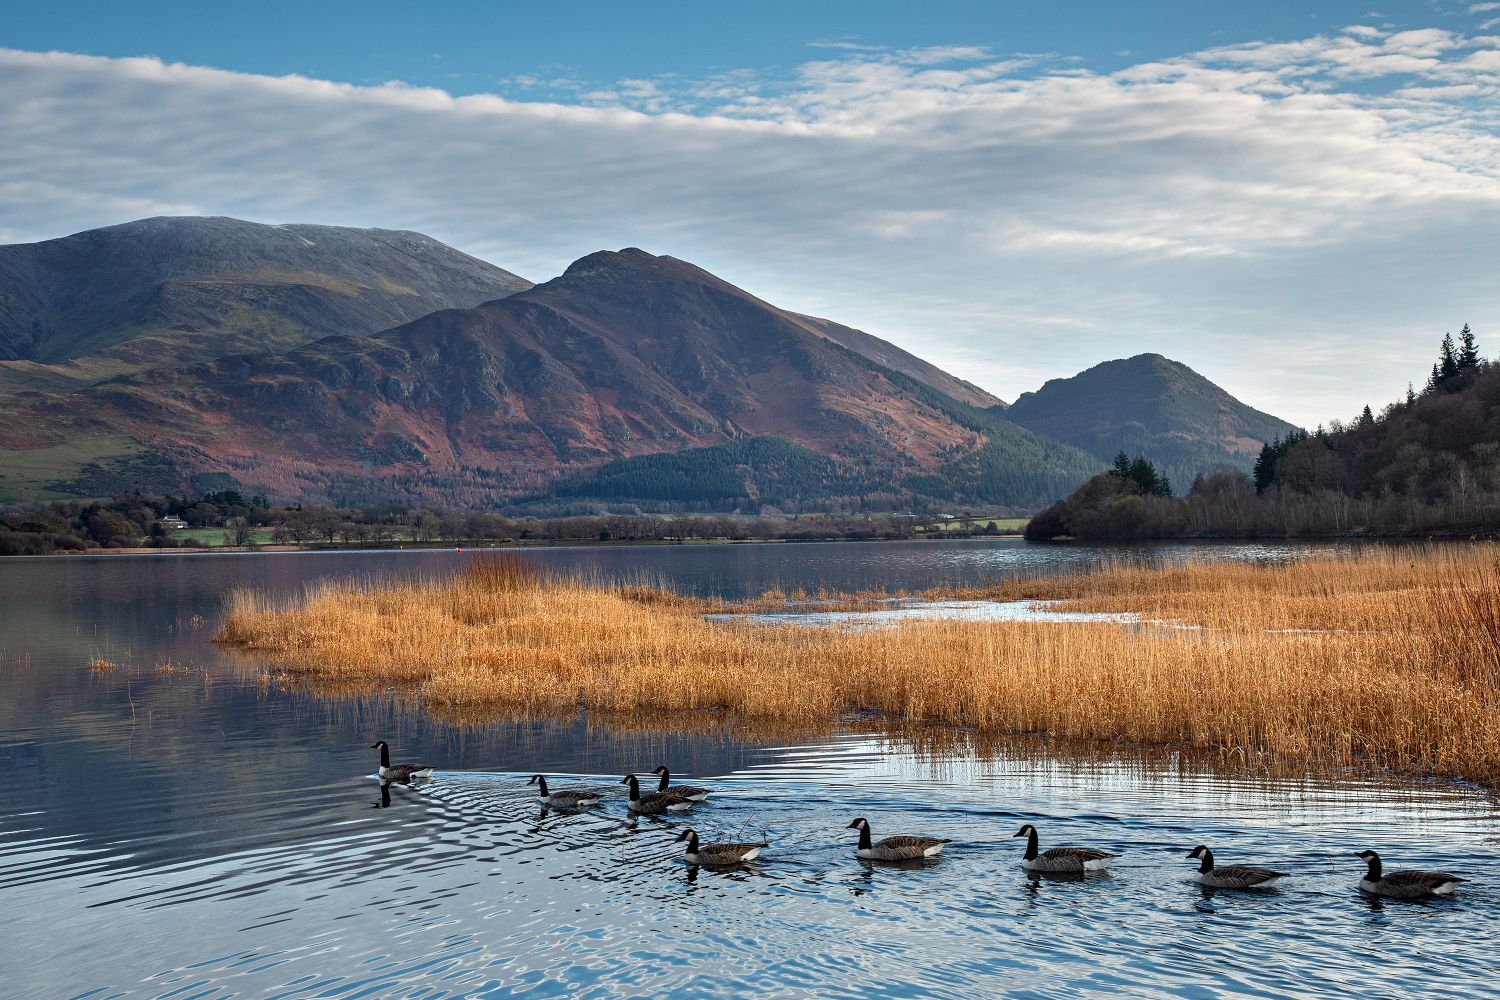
(1297,219)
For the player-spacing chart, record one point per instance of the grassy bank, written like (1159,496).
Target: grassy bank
(1390,658)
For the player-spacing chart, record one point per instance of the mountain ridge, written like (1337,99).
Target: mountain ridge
(195,287)
(624,354)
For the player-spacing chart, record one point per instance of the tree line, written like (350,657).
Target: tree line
(135,520)
(1426,464)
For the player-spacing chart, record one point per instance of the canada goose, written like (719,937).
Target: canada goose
(1405,885)
(566,799)
(1232,876)
(894,848)
(399,772)
(1061,859)
(717,854)
(653,803)
(693,792)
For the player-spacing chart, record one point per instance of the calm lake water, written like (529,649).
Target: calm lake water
(192,833)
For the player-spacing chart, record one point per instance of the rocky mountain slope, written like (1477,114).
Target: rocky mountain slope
(169,290)
(625,355)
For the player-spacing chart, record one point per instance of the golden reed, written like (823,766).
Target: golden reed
(1389,657)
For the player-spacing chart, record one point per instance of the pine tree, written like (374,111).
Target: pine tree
(1468,351)
(1121,468)
(1366,418)
(1411,394)
(1435,379)
(1265,465)
(1448,361)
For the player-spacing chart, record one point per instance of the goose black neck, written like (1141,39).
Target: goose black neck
(692,847)
(635,788)
(385,755)
(864,837)
(541,785)
(666,779)
(1031,851)
(1374,869)
(1208,862)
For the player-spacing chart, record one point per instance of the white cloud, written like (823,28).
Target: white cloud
(1274,215)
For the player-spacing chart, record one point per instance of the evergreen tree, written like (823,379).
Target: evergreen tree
(1435,379)
(1265,465)
(1366,418)
(1121,469)
(1448,360)
(1468,351)
(1411,394)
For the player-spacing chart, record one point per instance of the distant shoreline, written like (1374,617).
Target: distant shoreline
(529,543)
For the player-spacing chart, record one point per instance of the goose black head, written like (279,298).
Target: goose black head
(534,779)
(378,744)
(1025,831)
(629,778)
(687,834)
(1198,852)
(660,769)
(858,824)
(1368,856)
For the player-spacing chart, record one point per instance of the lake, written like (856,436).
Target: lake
(177,828)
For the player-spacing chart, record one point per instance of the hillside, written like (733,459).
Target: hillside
(625,355)
(175,290)
(892,357)
(1427,465)
(1153,406)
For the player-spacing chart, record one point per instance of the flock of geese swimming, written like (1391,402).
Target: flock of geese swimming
(669,798)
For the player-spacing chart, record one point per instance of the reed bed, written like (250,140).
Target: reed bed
(1387,658)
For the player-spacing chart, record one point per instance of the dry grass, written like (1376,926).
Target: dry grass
(1388,658)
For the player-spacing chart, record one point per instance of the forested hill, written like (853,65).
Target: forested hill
(1427,463)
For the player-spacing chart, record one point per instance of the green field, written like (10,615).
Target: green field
(980,523)
(221,536)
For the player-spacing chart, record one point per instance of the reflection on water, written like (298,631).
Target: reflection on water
(193,832)
(898,611)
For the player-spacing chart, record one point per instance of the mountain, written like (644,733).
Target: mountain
(173,290)
(1153,406)
(892,357)
(625,356)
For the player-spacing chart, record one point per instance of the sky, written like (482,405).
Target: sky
(1295,199)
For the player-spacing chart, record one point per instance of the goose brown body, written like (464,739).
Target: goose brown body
(718,854)
(1232,876)
(653,803)
(897,848)
(403,772)
(566,799)
(694,792)
(1061,859)
(1404,884)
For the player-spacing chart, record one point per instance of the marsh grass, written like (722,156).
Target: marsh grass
(1386,658)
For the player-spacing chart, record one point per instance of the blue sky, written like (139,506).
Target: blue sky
(1295,199)
(483,47)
